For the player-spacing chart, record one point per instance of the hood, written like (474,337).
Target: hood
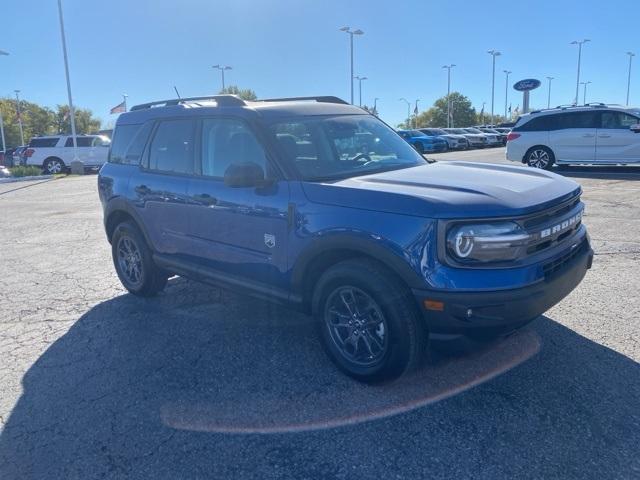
(449,190)
(475,135)
(452,135)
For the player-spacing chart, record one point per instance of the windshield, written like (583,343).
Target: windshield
(437,131)
(324,148)
(473,130)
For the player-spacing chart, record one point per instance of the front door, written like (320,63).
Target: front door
(616,143)
(240,231)
(572,136)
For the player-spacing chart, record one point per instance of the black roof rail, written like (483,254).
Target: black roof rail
(221,100)
(322,99)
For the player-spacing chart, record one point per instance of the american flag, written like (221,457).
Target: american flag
(120,108)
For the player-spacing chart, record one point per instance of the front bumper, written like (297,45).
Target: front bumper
(492,313)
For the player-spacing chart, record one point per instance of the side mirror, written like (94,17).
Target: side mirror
(247,174)
(635,128)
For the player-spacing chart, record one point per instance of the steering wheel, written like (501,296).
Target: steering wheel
(361,156)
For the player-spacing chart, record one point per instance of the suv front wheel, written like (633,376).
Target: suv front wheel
(53,165)
(133,262)
(540,157)
(368,322)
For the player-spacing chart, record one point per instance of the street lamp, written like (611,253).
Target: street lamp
(19,112)
(584,98)
(222,68)
(494,54)
(375,106)
(449,67)
(75,168)
(549,94)
(360,79)
(351,34)
(4,144)
(579,43)
(408,110)
(506,92)
(631,55)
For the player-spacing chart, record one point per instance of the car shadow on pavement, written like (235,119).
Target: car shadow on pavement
(133,378)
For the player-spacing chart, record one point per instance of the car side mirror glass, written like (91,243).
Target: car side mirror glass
(247,174)
(635,128)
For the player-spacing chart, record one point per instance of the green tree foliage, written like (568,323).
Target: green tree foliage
(462,113)
(38,120)
(244,93)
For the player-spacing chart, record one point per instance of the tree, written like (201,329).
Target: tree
(85,122)
(462,113)
(245,93)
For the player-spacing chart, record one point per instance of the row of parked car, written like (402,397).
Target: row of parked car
(430,140)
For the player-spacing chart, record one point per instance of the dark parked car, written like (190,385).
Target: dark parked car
(318,205)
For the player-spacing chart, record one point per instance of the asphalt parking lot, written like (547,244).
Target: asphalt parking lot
(203,383)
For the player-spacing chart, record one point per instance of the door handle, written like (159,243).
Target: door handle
(143,190)
(604,136)
(588,135)
(205,199)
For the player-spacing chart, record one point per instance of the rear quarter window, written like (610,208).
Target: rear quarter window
(128,143)
(537,124)
(43,142)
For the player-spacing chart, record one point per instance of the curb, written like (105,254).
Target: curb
(25,179)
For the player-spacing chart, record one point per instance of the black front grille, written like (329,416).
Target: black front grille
(556,265)
(550,214)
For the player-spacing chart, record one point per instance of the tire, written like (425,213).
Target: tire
(540,157)
(53,165)
(395,339)
(419,148)
(133,262)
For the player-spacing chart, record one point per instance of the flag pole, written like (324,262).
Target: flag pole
(124,95)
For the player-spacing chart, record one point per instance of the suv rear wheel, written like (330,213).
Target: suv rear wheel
(540,157)
(368,322)
(134,264)
(53,165)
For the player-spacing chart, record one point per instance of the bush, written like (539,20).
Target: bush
(25,171)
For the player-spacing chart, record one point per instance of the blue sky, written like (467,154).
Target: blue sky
(293,47)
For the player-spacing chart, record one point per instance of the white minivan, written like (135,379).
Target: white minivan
(590,134)
(54,153)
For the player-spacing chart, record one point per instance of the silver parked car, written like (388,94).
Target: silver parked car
(475,140)
(455,142)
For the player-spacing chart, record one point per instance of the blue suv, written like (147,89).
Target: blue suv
(318,205)
(424,143)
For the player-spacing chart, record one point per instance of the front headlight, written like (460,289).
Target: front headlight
(486,242)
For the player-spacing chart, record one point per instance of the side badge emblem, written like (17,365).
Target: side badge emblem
(269,240)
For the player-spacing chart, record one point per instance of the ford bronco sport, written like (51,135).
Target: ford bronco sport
(317,204)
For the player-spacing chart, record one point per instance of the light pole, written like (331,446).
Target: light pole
(222,68)
(351,34)
(494,54)
(408,111)
(449,67)
(72,112)
(631,55)
(506,92)
(4,144)
(360,79)
(19,112)
(579,43)
(124,96)
(549,93)
(375,106)
(584,98)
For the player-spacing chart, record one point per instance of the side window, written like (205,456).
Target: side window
(172,147)
(100,142)
(80,141)
(44,142)
(128,143)
(617,120)
(227,141)
(575,120)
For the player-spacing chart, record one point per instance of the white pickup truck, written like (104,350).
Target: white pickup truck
(55,153)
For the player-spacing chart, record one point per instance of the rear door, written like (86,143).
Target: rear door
(99,151)
(84,148)
(572,135)
(616,143)
(160,186)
